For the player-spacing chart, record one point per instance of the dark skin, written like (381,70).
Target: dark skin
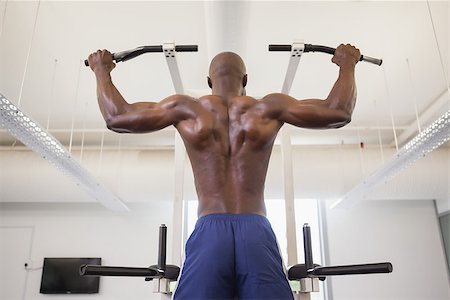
(228,136)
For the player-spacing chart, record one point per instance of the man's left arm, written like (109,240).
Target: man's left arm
(333,112)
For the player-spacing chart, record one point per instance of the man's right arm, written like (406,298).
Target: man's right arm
(121,116)
(334,111)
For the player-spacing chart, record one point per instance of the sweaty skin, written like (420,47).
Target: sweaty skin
(228,136)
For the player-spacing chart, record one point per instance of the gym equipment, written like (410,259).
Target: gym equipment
(161,274)
(318,48)
(129,54)
(309,273)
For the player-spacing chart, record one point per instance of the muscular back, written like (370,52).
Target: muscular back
(229,143)
(228,138)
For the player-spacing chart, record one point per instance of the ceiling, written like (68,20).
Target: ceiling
(43,45)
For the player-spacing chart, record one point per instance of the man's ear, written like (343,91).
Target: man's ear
(209,82)
(244,81)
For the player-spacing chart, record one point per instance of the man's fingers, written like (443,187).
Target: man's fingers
(101,59)
(344,53)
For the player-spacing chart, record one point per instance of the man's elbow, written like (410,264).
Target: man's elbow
(343,123)
(342,120)
(112,124)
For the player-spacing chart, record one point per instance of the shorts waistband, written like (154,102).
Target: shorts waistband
(232,217)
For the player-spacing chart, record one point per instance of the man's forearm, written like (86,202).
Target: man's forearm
(110,100)
(343,93)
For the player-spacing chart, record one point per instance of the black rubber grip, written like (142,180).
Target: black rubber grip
(352,269)
(129,54)
(186,48)
(318,48)
(91,270)
(307,246)
(323,49)
(280,47)
(162,247)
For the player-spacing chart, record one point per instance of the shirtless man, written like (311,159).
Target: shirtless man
(232,252)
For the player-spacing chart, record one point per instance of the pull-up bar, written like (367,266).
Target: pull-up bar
(129,54)
(323,49)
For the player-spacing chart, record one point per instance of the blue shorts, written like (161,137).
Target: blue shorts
(231,256)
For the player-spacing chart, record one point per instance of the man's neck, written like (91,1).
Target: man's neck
(227,88)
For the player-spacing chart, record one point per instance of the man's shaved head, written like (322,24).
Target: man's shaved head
(227,63)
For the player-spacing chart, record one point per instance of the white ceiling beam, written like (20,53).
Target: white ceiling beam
(226,24)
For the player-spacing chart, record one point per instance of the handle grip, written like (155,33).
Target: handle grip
(162,248)
(129,54)
(323,49)
(351,269)
(307,246)
(92,270)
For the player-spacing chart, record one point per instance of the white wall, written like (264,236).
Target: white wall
(405,233)
(82,230)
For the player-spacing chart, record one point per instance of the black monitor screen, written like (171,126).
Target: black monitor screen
(62,276)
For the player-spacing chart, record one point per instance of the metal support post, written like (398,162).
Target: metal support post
(180,156)
(286,156)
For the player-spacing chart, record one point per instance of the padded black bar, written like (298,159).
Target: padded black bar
(323,49)
(91,270)
(162,247)
(307,246)
(351,269)
(186,48)
(318,48)
(280,47)
(129,54)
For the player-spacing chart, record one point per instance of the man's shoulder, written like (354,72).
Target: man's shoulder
(275,97)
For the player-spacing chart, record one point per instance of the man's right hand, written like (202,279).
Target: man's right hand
(346,55)
(101,61)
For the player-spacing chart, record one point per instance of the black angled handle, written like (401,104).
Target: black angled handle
(129,54)
(323,49)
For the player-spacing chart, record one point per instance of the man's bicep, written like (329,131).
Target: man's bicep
(310,113)
(316,114)
(144,117)
(290,110)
